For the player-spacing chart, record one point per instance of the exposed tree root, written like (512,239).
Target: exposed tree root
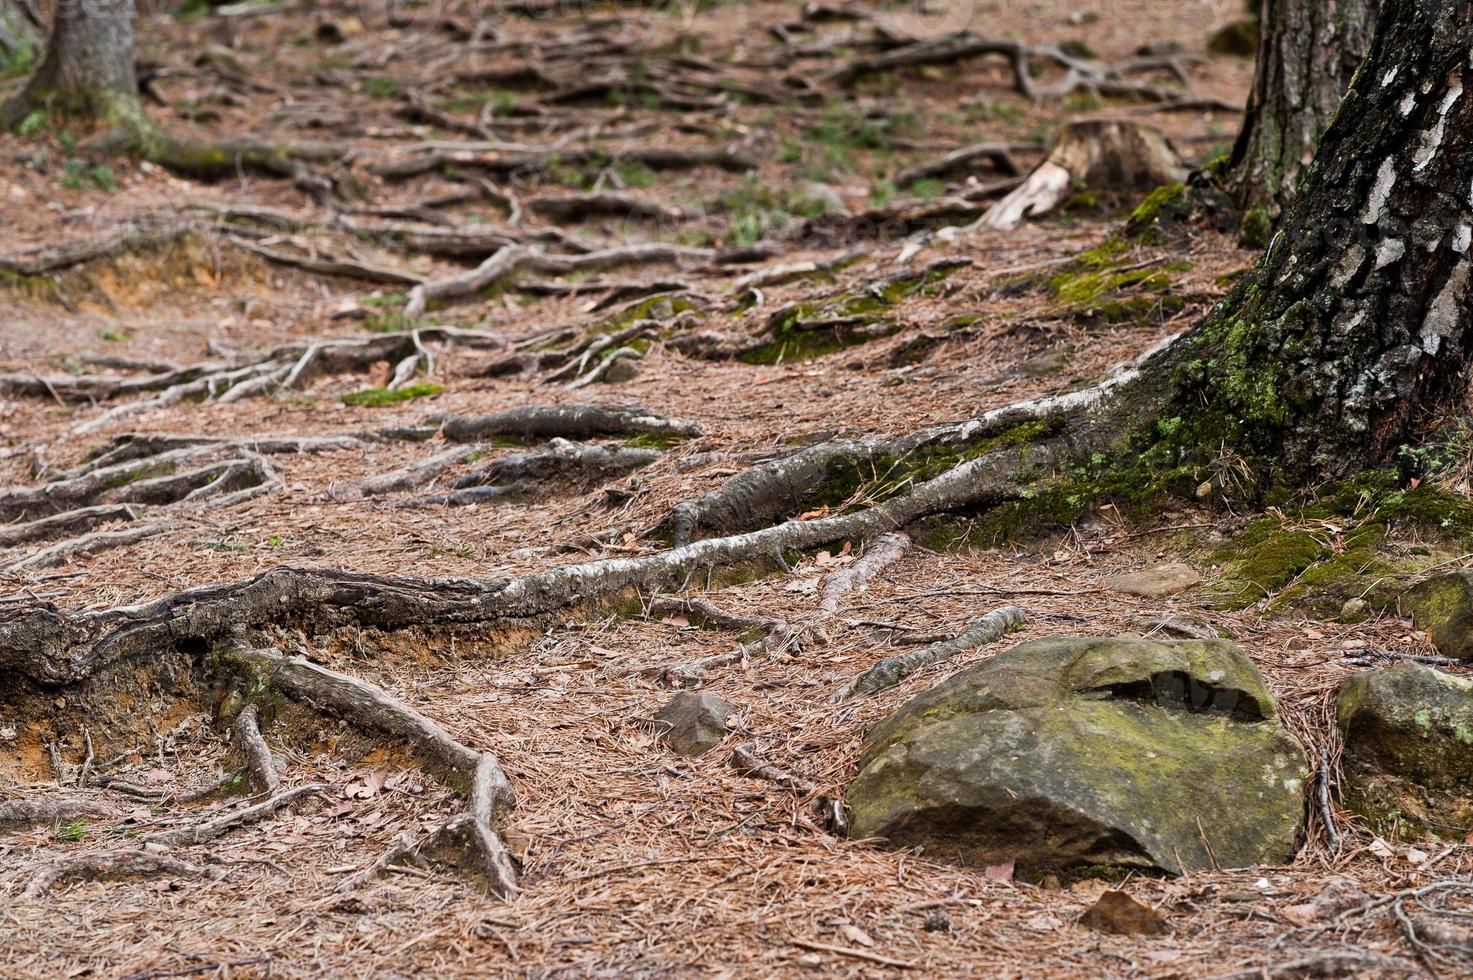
(883,552)
(67,522)
(109,867)
(536,423)
(576,207)
(331,266)
(208,830)
(588,355)
(515,259)
(999,155)
(245,737)
(1022,58)
(129,237)
(744,759)
(789,271)
(518,472)
(472,835)
(419,473)
(31,813)
(892,670)
(88,544)
(519,158)
(290,367)
(147,480)
(760,636)
(781,487)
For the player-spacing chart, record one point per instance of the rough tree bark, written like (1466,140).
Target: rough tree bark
(21,36)
(1308,52)
(88,72)
(1356,326)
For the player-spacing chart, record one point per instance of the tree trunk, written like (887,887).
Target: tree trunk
(88,71)
(1308,51)
(20,37)
(1355,328)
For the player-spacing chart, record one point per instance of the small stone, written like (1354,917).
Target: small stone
(622,370)
(810,961)
(1155,583)
(1355,611)
(692,723)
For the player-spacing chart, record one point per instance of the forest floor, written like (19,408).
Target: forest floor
(634,861)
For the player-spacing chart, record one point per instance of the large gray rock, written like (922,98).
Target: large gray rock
(1409,748)
(1443,606)
(1078,751)
(694,723)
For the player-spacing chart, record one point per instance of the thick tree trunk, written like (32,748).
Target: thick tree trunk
(1355,329)
(1308,52)
(88,71)
(21,37)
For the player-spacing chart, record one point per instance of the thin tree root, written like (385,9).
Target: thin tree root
(892,670)
(744,760)
(208,830)
(109,867)
(760,638)
(260,767)
(515,259)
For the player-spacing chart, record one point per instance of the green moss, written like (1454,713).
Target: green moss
(809,330)
(1257,226)
(375,397)
(390,321)
(654,440)
(1164,206)
(1102,285)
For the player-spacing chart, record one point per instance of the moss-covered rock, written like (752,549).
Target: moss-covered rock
(1409,749)
(1075,751)
(1443,606)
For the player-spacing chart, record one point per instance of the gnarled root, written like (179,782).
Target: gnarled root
(371,708)
(30,813)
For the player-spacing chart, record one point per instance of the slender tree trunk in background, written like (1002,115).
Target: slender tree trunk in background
(1308,52)
(1356,326)
(88,71)
(21,37)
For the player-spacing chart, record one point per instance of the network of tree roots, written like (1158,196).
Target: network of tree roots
(342,570)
